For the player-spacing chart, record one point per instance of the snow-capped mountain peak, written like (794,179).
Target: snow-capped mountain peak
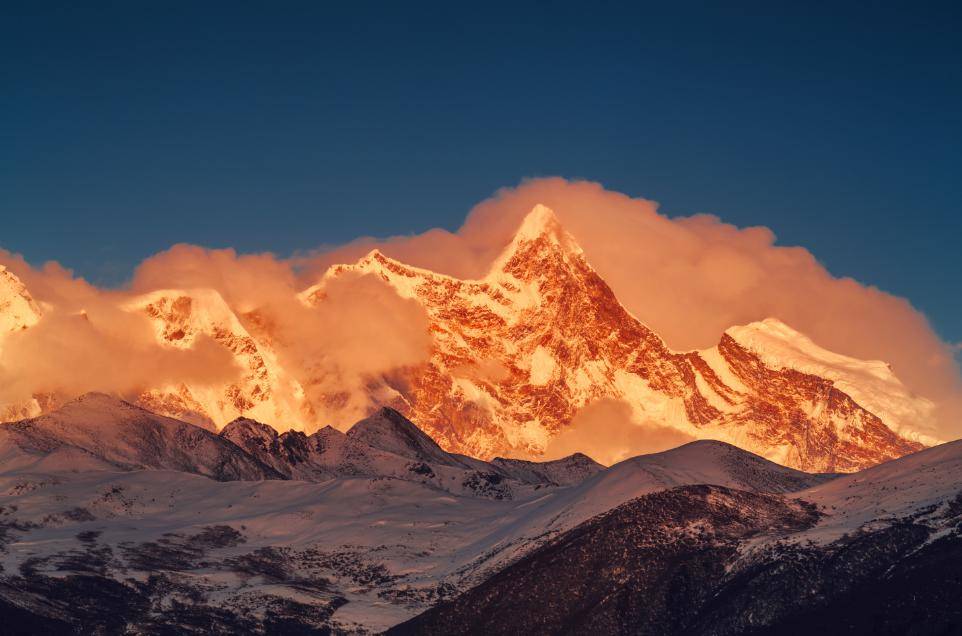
(540,221)
(871,383)
(539,240)
(778,343)
(539,225)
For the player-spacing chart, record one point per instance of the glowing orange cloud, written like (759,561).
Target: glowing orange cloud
(606,431)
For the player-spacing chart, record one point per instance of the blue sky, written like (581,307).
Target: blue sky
(284,126)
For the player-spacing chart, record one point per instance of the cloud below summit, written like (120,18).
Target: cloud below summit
(607,432)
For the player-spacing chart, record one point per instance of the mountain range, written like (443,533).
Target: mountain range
(516,356)
(114,519)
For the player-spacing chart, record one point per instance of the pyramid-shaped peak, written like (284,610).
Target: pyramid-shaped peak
(7,275)
(540,227)
(328,432)
(373,255)
(539,221)
(389,422)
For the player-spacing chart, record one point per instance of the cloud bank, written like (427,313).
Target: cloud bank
(687,278)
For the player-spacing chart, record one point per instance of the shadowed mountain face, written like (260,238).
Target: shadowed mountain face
(560,472)
(675,562)
(116,520)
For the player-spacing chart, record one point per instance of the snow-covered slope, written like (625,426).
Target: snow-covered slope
(176,547)
(645,567)
(876,552)
(701,462)
(924,485)
(363,536)
(871,383)
(109,488)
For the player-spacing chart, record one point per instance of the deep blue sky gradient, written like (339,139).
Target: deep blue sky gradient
(285,126)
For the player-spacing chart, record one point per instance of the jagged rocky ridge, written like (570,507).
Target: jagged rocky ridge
(109,529)
(515,355)
(97,429)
